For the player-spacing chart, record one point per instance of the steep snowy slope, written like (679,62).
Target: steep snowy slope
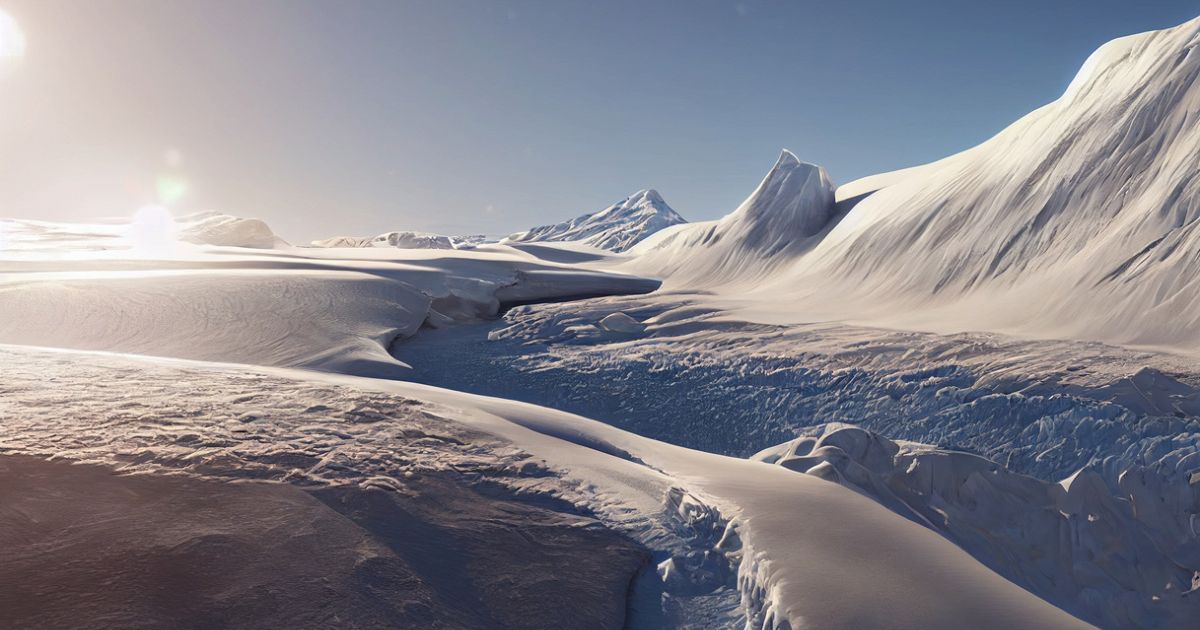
(782,218)
(617,227)
(1079,217)
(1079,220)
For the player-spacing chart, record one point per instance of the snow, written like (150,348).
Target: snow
(722,528)
(1074,222)
(615,228)
(404,240)
(1115,556)
(634,484)
(337,309)
(791,206)
(621,323)
(992,323)
(228,231)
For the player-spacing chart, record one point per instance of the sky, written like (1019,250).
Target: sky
(356,118)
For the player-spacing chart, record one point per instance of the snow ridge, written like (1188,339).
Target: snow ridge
(793,205)
(616,228)
(1077,221)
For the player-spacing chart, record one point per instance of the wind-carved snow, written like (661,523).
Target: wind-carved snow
(705,512)
(793,204)
(1077,221)
(1117,552)
(616,228)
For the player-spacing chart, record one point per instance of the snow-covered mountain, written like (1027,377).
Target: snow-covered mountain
(782,217)
(1079,220)
(403,240)
(617,227)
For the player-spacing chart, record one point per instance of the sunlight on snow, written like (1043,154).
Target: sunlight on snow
(12,40)
(152,232)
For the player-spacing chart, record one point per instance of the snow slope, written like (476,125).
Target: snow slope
(1077,221)
(808,553)
(616,228)
(782,218)
(329,309)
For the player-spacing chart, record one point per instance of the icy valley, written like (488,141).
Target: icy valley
(959,395)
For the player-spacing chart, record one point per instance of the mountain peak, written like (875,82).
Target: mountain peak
(648,194)
(794,200)
(617,227)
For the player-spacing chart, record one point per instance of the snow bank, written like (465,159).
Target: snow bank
(338,310)
(1120,554)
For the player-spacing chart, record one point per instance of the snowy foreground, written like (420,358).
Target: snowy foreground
(959,395)
(799,550)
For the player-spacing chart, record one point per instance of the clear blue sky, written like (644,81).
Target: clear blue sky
(360,117)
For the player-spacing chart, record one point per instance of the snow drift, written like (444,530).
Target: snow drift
(227,231)
(616,228)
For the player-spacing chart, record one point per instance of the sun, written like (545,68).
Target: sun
(12,40)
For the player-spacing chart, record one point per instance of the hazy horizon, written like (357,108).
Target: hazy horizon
(326,119)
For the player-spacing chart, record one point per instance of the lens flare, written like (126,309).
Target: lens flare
(12,40)
(171,189)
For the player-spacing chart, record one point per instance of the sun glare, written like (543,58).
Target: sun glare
(12,40)
(152,232)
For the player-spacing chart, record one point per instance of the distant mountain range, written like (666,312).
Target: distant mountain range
(616,228)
